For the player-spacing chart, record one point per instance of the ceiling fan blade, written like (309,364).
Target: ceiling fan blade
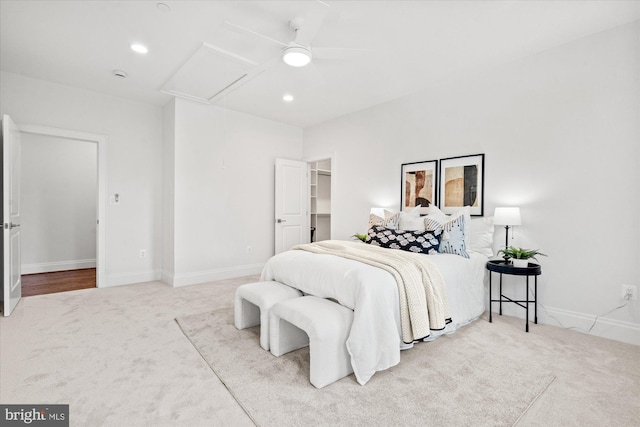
(309,26)
(338,52)
(247,30)
(314,76)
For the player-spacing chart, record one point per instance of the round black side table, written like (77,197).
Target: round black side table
(501,267)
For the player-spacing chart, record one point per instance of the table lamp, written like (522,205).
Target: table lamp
(507,217)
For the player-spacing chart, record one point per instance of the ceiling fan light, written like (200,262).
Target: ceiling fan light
(296,56)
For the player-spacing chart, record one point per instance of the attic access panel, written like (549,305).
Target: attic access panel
(209,74)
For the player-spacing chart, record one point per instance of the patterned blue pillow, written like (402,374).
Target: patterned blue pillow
(420,242)
(453,234)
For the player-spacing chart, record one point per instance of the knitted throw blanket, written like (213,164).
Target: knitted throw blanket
(423,298)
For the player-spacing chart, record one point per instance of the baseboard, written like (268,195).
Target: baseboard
(605,327)
(186,279)
(167,277)
(131,278)
(48,267)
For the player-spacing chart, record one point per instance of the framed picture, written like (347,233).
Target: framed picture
(419,185)
(462,184)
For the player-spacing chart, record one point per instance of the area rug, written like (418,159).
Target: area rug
(448,382)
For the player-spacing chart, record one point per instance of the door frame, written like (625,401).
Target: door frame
(334,174)
(101,140)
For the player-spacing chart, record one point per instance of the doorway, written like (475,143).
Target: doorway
(69,249)
(58,193)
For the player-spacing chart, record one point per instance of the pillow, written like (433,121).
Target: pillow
(411,223)
(437,214)
(411,220)
(454,233)
(481,236)
(390,222)
(425,242)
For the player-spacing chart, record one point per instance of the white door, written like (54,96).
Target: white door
(292,200)
(11,283)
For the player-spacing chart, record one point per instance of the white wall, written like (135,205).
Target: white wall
(561,136)
(168,192)
(59,190)
(134,163)
(224,172)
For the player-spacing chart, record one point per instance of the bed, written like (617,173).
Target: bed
(376,336)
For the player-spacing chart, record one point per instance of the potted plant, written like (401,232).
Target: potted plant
(519,256)
(362,237)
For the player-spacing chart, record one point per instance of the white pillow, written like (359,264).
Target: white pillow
(409,223)
(410,220)
(436,213)
(481,236)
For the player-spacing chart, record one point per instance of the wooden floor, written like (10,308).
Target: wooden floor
(59,281)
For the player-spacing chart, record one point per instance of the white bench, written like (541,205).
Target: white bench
(253,302)
(323,324)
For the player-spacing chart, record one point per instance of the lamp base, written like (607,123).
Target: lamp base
(506,243)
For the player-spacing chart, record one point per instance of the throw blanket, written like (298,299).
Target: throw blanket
(423,298)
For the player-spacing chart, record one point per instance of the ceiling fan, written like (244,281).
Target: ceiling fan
(298,52)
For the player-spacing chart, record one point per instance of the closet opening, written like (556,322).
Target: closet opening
(320,200)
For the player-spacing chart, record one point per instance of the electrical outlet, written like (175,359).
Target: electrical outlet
(629,292)
(143,253)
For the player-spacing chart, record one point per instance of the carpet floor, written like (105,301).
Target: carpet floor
(449,382)
(118,358)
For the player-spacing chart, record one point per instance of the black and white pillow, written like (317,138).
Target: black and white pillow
(420,242)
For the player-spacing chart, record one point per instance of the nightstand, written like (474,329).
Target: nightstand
(501,267)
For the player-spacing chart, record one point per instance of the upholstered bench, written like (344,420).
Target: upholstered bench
(253,302)
(325,323)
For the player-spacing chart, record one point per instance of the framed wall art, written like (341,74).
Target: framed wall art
(462,184)
(419,185)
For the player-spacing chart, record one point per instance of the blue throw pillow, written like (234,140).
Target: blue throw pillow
(453,234)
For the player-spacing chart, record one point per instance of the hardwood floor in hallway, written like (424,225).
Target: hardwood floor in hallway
(58,281)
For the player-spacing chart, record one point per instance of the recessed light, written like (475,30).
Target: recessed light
(287,98)
(136,47)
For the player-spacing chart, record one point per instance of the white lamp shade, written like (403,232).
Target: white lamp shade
(507,216)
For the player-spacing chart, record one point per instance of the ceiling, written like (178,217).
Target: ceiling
(406,46)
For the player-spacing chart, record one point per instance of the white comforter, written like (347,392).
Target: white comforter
(374,341)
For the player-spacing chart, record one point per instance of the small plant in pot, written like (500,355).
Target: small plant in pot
(519,256)
(362,237)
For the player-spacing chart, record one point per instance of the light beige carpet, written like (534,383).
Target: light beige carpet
(449,382)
